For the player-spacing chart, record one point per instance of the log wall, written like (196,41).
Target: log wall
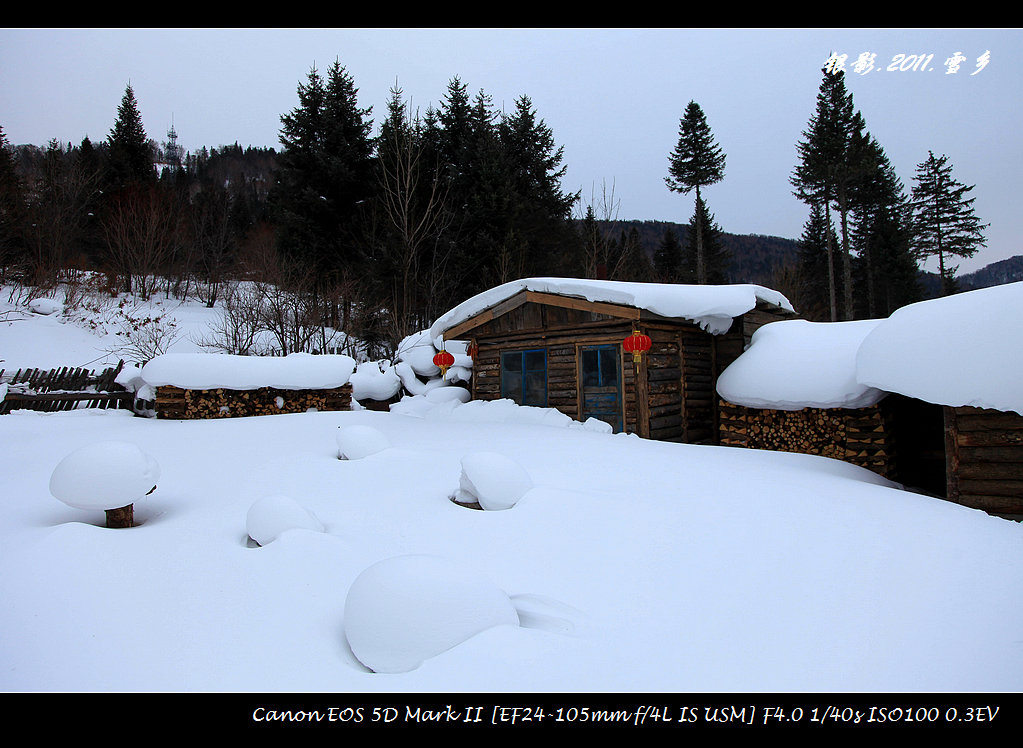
(174,402)
(861,436)
(670,396)
(984,451)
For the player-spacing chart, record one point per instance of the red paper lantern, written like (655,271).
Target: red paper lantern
(637,344)
(443,360)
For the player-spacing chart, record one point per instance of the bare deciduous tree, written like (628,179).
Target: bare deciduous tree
(142,227)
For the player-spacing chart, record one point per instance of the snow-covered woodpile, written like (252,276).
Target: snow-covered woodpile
(944,373)
(176,402)
(189,386)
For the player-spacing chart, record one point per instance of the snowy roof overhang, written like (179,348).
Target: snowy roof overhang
(960,350)
(711,307)
(796,364)
(207,371)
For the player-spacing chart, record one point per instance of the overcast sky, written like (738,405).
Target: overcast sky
(613,98)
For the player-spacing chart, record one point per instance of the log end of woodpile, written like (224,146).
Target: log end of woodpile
(177,403)
(857,435)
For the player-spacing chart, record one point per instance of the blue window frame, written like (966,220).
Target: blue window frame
(524,376)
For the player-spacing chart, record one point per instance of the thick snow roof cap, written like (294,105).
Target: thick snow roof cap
(206,371)
(796,364)
(712,307)
(960,350)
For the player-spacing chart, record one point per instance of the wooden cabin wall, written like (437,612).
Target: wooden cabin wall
(663,369)
(562,348)
(984,452)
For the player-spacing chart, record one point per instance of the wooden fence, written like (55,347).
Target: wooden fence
(63,388)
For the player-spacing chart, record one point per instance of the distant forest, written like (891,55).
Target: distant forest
(767,260)
(754,258)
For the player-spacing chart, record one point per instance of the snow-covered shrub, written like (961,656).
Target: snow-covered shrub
(356,442)
(375,380)
(417,351)
(45,306)
(492,480)
(404,610)
(146,334)
(109,475)
(270,516)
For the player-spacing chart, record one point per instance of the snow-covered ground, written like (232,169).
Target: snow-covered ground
(626,564)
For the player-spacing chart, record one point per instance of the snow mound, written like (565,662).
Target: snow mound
(795,364)
(404,610)
(45,306)
(104,475)
(270,516)
(492,411)
(492,480)
(960,350)
(356,442)
(447,394)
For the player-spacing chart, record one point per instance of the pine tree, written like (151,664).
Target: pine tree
(668,258)
(816,294)
(12,207)
(830,164)
(696,161)
(944,223)
(324,175)
(886,277)
(541,208)
(715,256)
(636,265)
(131,157)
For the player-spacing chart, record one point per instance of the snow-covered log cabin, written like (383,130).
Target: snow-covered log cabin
(931,397)
(560,343)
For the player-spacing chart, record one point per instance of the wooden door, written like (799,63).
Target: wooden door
(600,384)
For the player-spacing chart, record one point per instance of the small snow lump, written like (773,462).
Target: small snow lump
(404,610)
(493,480)
(270,516)
(356,442)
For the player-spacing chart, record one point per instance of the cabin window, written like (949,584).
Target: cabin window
(524,377)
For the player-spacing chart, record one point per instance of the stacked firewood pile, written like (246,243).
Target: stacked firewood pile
(174,402)
(860,436)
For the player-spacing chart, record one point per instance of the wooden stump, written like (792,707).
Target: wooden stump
(123,517)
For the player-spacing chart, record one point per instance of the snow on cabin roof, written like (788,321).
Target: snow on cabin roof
(206,371)
(796,364)
(712,307)
(960,350)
